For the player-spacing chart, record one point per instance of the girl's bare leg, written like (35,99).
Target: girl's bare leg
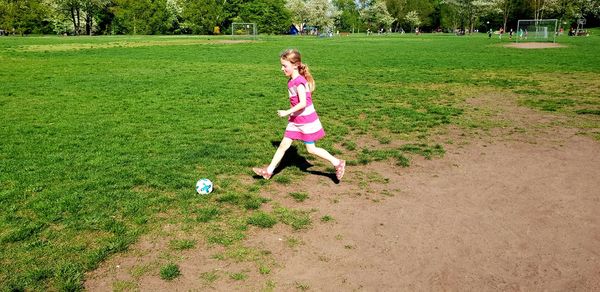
(283,147)
(313,149)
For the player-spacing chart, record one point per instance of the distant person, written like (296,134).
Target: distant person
(303,121)
(500,32)
(510,34)
(520,33)
(490,33)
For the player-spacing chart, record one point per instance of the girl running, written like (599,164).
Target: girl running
(303,121)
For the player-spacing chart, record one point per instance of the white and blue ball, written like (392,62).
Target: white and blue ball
(204,186)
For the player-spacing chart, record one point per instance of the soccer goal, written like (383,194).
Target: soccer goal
(243,29)
(537,30)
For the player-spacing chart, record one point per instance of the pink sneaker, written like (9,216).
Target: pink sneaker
(340,169)
(262,172)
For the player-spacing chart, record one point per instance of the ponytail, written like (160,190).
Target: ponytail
(304,71)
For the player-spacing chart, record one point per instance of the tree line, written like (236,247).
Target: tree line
(107,17)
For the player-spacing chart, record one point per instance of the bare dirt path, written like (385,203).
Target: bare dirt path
(510,212)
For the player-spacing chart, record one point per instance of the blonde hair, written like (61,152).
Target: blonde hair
(294,57)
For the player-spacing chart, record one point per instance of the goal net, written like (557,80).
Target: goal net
(537,30)
(243,29)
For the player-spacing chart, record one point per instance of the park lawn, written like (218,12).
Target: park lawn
(103,138)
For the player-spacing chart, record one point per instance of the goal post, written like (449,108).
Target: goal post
(243,29)
(537,30)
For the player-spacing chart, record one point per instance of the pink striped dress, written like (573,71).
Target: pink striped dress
(304,124)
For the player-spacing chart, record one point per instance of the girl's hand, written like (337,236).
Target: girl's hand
(282,113)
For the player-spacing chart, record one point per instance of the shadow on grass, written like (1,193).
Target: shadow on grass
(293,158)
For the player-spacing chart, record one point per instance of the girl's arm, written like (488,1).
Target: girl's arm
(301,104)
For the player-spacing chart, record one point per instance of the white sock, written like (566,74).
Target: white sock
(270,169)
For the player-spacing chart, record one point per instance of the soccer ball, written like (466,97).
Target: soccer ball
(204,186)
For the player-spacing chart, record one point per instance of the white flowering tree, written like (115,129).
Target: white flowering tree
(587,8)
(299,12)
(412,17)
(174,10)
(376,15)
(321,13)
(317,13)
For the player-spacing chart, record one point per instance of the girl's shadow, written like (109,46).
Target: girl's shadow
(293,158)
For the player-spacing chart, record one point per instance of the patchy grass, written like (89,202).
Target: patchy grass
(169,272)
(139,271)
(182,244)
(238,276)
(302,286)
(550,105)
(297,219)
(122,286)
(299,196)
(262,219)
(293,242)
(209,277)
(588,112)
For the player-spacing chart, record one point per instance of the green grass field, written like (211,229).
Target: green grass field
(103,138)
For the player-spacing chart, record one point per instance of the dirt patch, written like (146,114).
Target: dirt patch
(126,44)
(513,208)
(534,45)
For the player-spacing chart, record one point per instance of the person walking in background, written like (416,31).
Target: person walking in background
(520,33)
(303,121)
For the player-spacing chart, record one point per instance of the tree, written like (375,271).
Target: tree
(90,9)
(174,12)
(451,16)
(412,17)
(349,18)
(589,8)
(203,16)
(505,7)
(470,10)
(318,13)
(376,16)
(24,16)
(397,9)
(425,9)
(542,6)
(270,16)
(141,17)
(298,11)
(72,8)
(321,13)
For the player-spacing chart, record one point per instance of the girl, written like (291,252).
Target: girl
(303,122)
